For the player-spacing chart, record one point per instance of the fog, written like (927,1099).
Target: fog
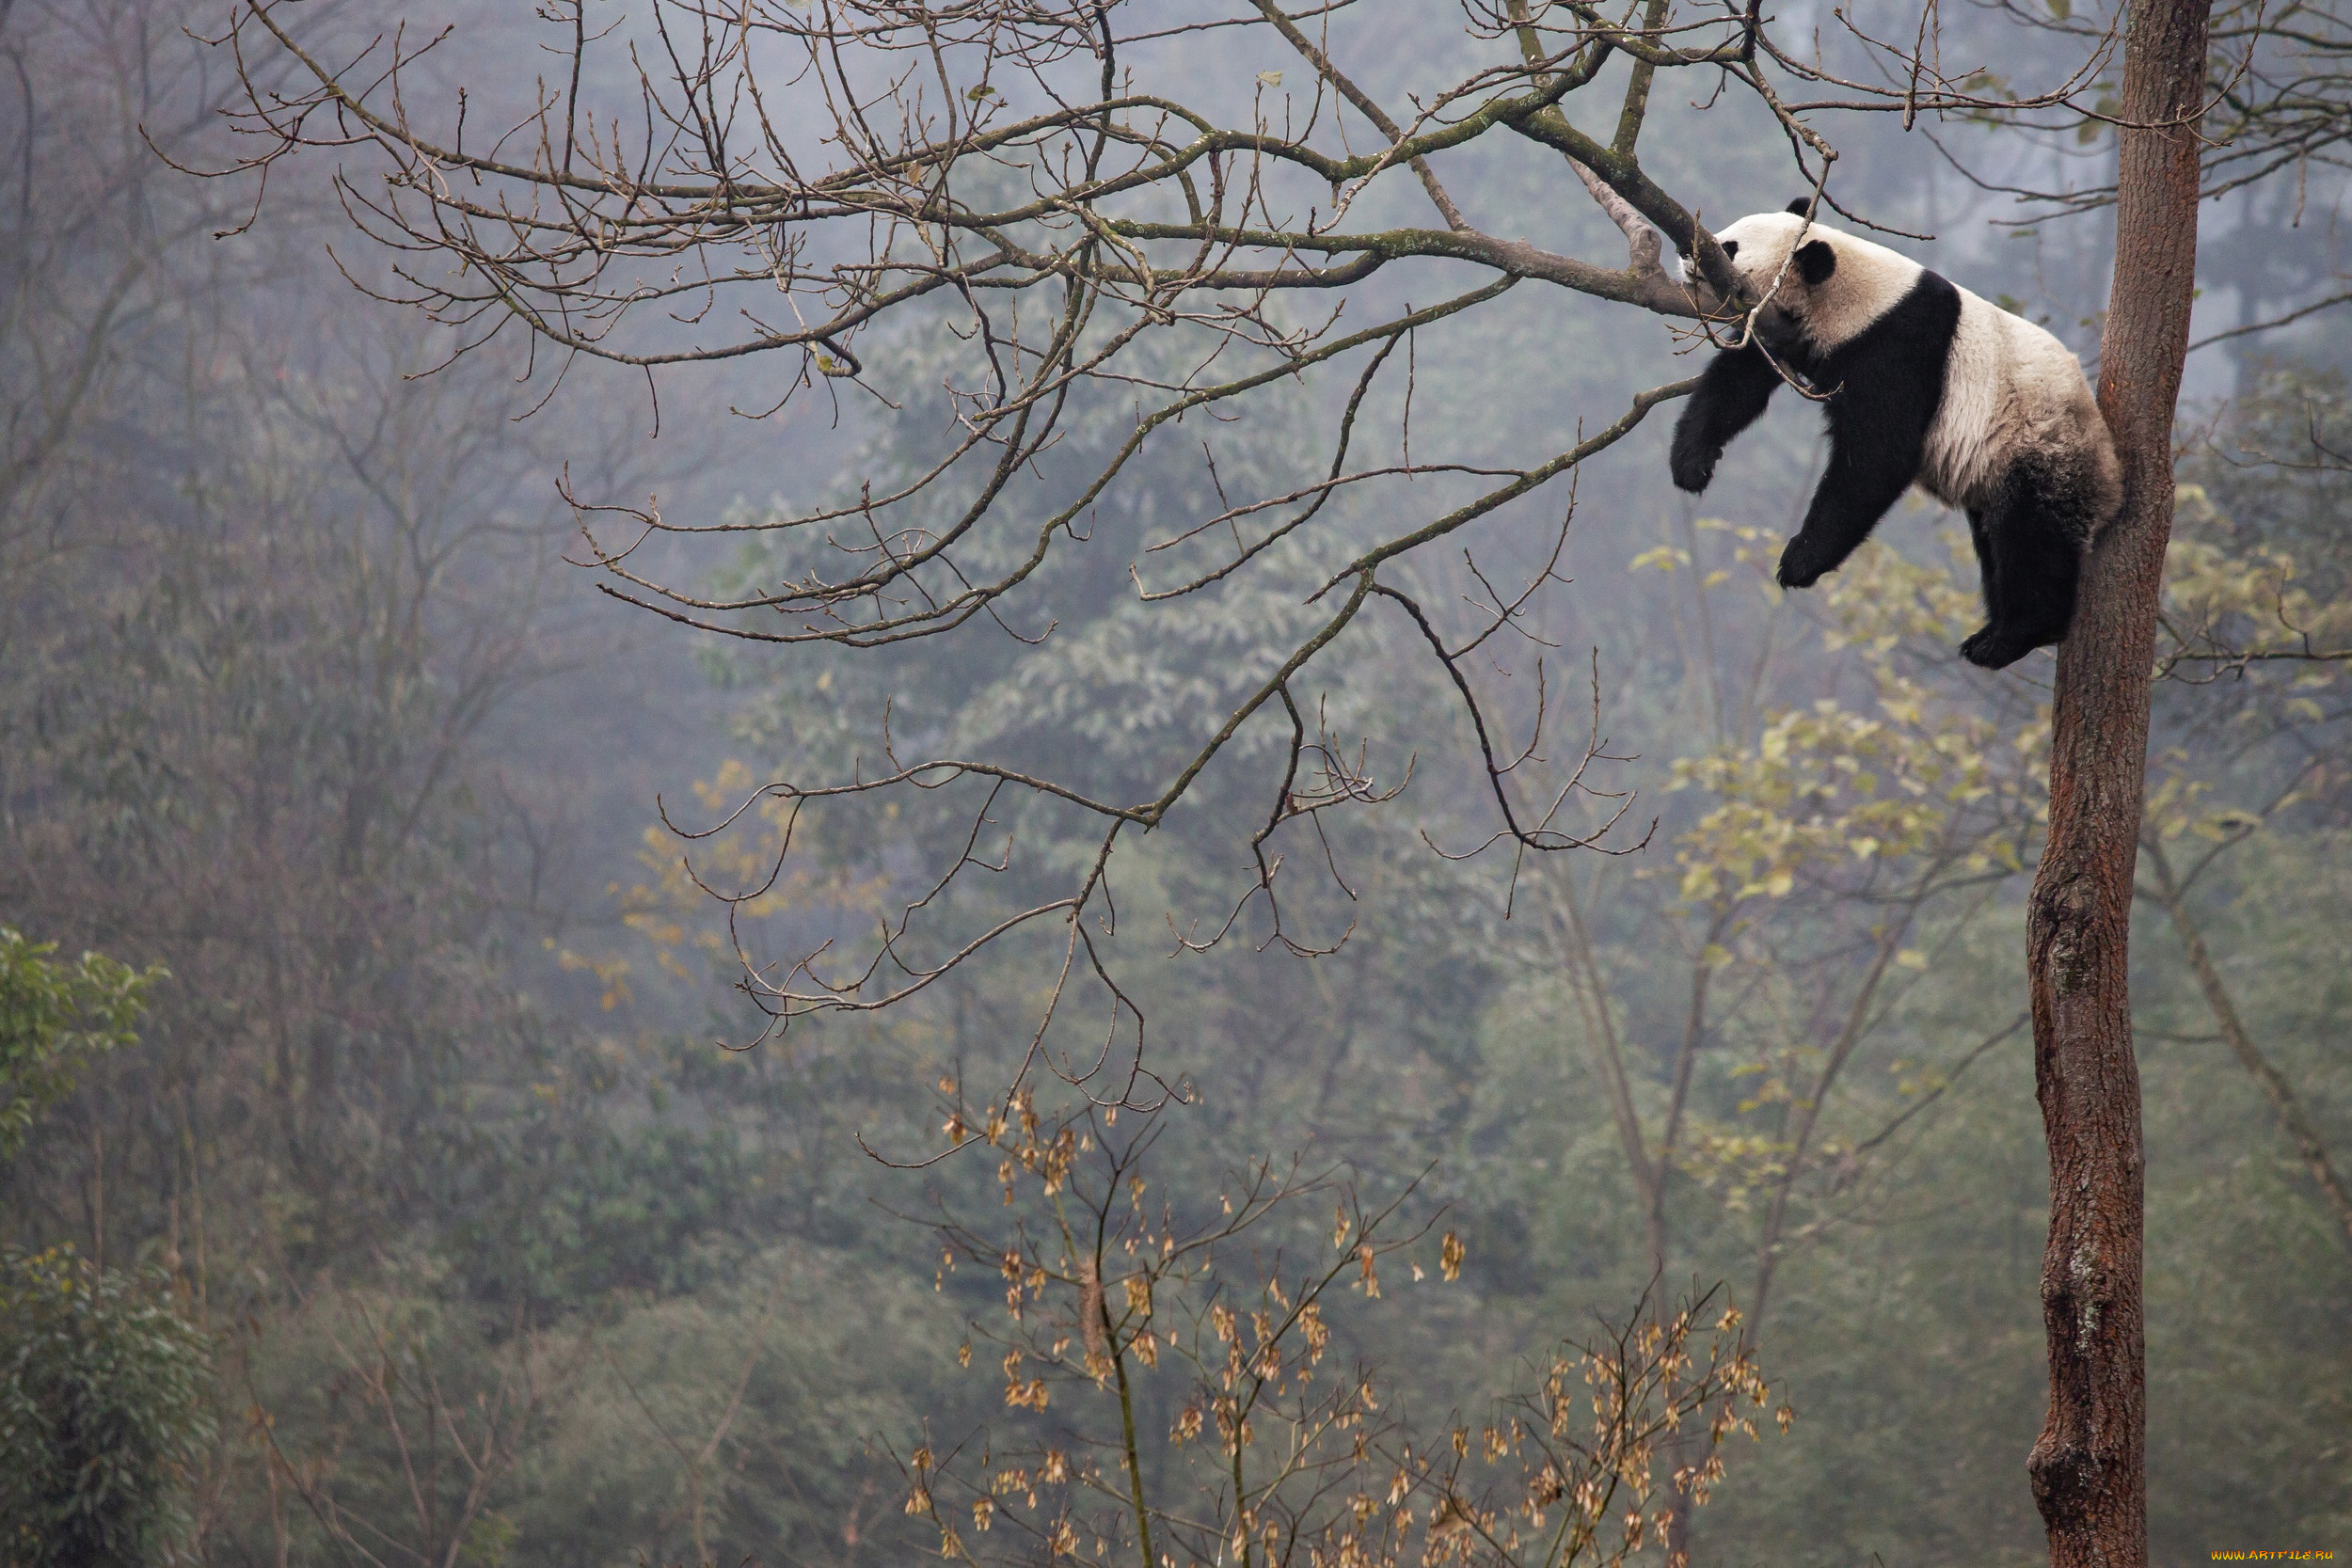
(371,682)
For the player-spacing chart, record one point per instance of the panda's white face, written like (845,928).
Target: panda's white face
(1760,246)
(1862,282)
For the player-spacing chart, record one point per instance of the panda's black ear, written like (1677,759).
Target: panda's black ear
(1803,205)
(1816,262)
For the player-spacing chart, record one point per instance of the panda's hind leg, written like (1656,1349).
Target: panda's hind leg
(2032,556)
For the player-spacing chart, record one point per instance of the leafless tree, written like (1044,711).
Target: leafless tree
(92,222)
(788,178)
(2088,1466)
(1049,181)
(1174,1387)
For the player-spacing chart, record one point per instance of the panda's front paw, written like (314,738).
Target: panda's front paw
(1804,563)
(1693,465)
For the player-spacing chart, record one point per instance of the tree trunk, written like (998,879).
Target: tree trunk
(2087,1467)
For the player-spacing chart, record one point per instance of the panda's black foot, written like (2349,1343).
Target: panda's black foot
(1996,647)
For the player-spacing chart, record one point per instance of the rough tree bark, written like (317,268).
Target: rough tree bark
(2087,1467)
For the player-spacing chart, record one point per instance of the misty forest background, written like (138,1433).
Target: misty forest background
(498,1257)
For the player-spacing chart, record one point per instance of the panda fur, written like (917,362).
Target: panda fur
(1925,384)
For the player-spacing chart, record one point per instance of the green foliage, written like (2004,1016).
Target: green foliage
(103,1411)
(55,1017)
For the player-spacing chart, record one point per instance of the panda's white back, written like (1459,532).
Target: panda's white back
(2010,388)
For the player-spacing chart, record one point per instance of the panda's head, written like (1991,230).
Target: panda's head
(1826,284)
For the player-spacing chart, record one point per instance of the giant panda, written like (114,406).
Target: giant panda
(1923,383)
